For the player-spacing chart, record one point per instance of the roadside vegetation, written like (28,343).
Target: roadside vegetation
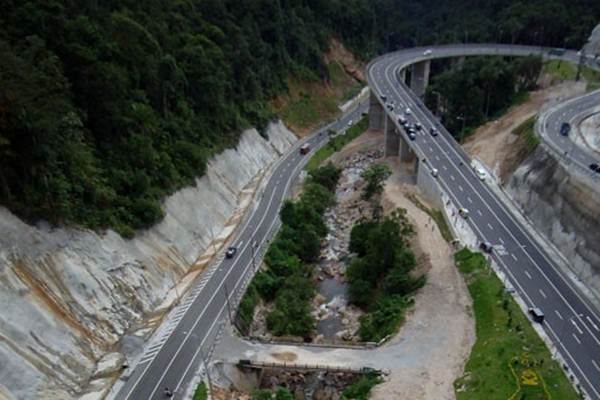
(336,143)
(508,360)
(287,281)
(201,393)
(568,71)
(526,131)
(480,90)
(361,389)
(436,215)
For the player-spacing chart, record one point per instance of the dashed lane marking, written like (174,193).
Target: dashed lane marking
(576,338)
(514,257)
(576,326)
(542,293)
(527,274)
(558,314)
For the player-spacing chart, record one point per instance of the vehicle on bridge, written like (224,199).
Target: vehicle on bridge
(557,52)
(427,52)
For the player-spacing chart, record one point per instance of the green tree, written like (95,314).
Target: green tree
(375,177)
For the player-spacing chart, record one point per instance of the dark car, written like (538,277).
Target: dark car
(412,136)
(433,131)
(595,167)
(486,247)
(565,128)
(230,252)
(418,126)
(537,314)
(383,97)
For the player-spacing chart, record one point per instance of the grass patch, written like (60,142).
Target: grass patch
(361,389)
(527,132)
(508,360)
(436,215)
(560,69)
(201,392)
(336,143)
(568,71)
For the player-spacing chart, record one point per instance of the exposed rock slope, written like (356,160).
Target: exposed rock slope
(68,295)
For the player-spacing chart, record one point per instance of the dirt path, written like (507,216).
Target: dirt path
(494,143)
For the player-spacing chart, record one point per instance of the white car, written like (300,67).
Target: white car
(407,111)
(434,172)
(350,123)
(427,52)
(480,173)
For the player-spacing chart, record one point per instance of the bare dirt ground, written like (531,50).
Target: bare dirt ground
(494,143)
(441,320)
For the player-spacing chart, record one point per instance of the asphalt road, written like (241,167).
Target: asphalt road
(572,111)
(172,361)
(571,322)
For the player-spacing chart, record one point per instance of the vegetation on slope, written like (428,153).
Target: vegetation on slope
(508,360)
(106,107)
(481,89)
(526,131)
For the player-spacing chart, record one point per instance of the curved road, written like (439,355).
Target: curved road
(571,322)
(174,358)
(571,111)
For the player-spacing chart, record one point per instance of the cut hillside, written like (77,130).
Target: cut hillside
(312,99)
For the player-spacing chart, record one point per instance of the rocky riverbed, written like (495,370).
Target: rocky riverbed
(336,319)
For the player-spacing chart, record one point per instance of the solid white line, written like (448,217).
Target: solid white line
(576,338)
(559,316)
(527,274)
(543,294)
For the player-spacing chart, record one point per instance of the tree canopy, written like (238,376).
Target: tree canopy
(106,107)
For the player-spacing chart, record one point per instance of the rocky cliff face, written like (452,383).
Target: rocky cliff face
(565,208)
(69,295)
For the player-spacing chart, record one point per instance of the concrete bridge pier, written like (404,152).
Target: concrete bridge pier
(376,113)
(402,75)
(419,77)
(392,139)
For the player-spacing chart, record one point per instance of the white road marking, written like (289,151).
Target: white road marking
(559,316)
(490,226)
(480,213)
(527,274)
(469,200)
(543,294)
(514,257)
(500,240)
(452,177)
(445,169)
(576,326)
(460,188)
(592,323)
(596,365)
(437,158)
(576,338)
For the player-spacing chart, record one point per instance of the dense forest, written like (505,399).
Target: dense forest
(106,107)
